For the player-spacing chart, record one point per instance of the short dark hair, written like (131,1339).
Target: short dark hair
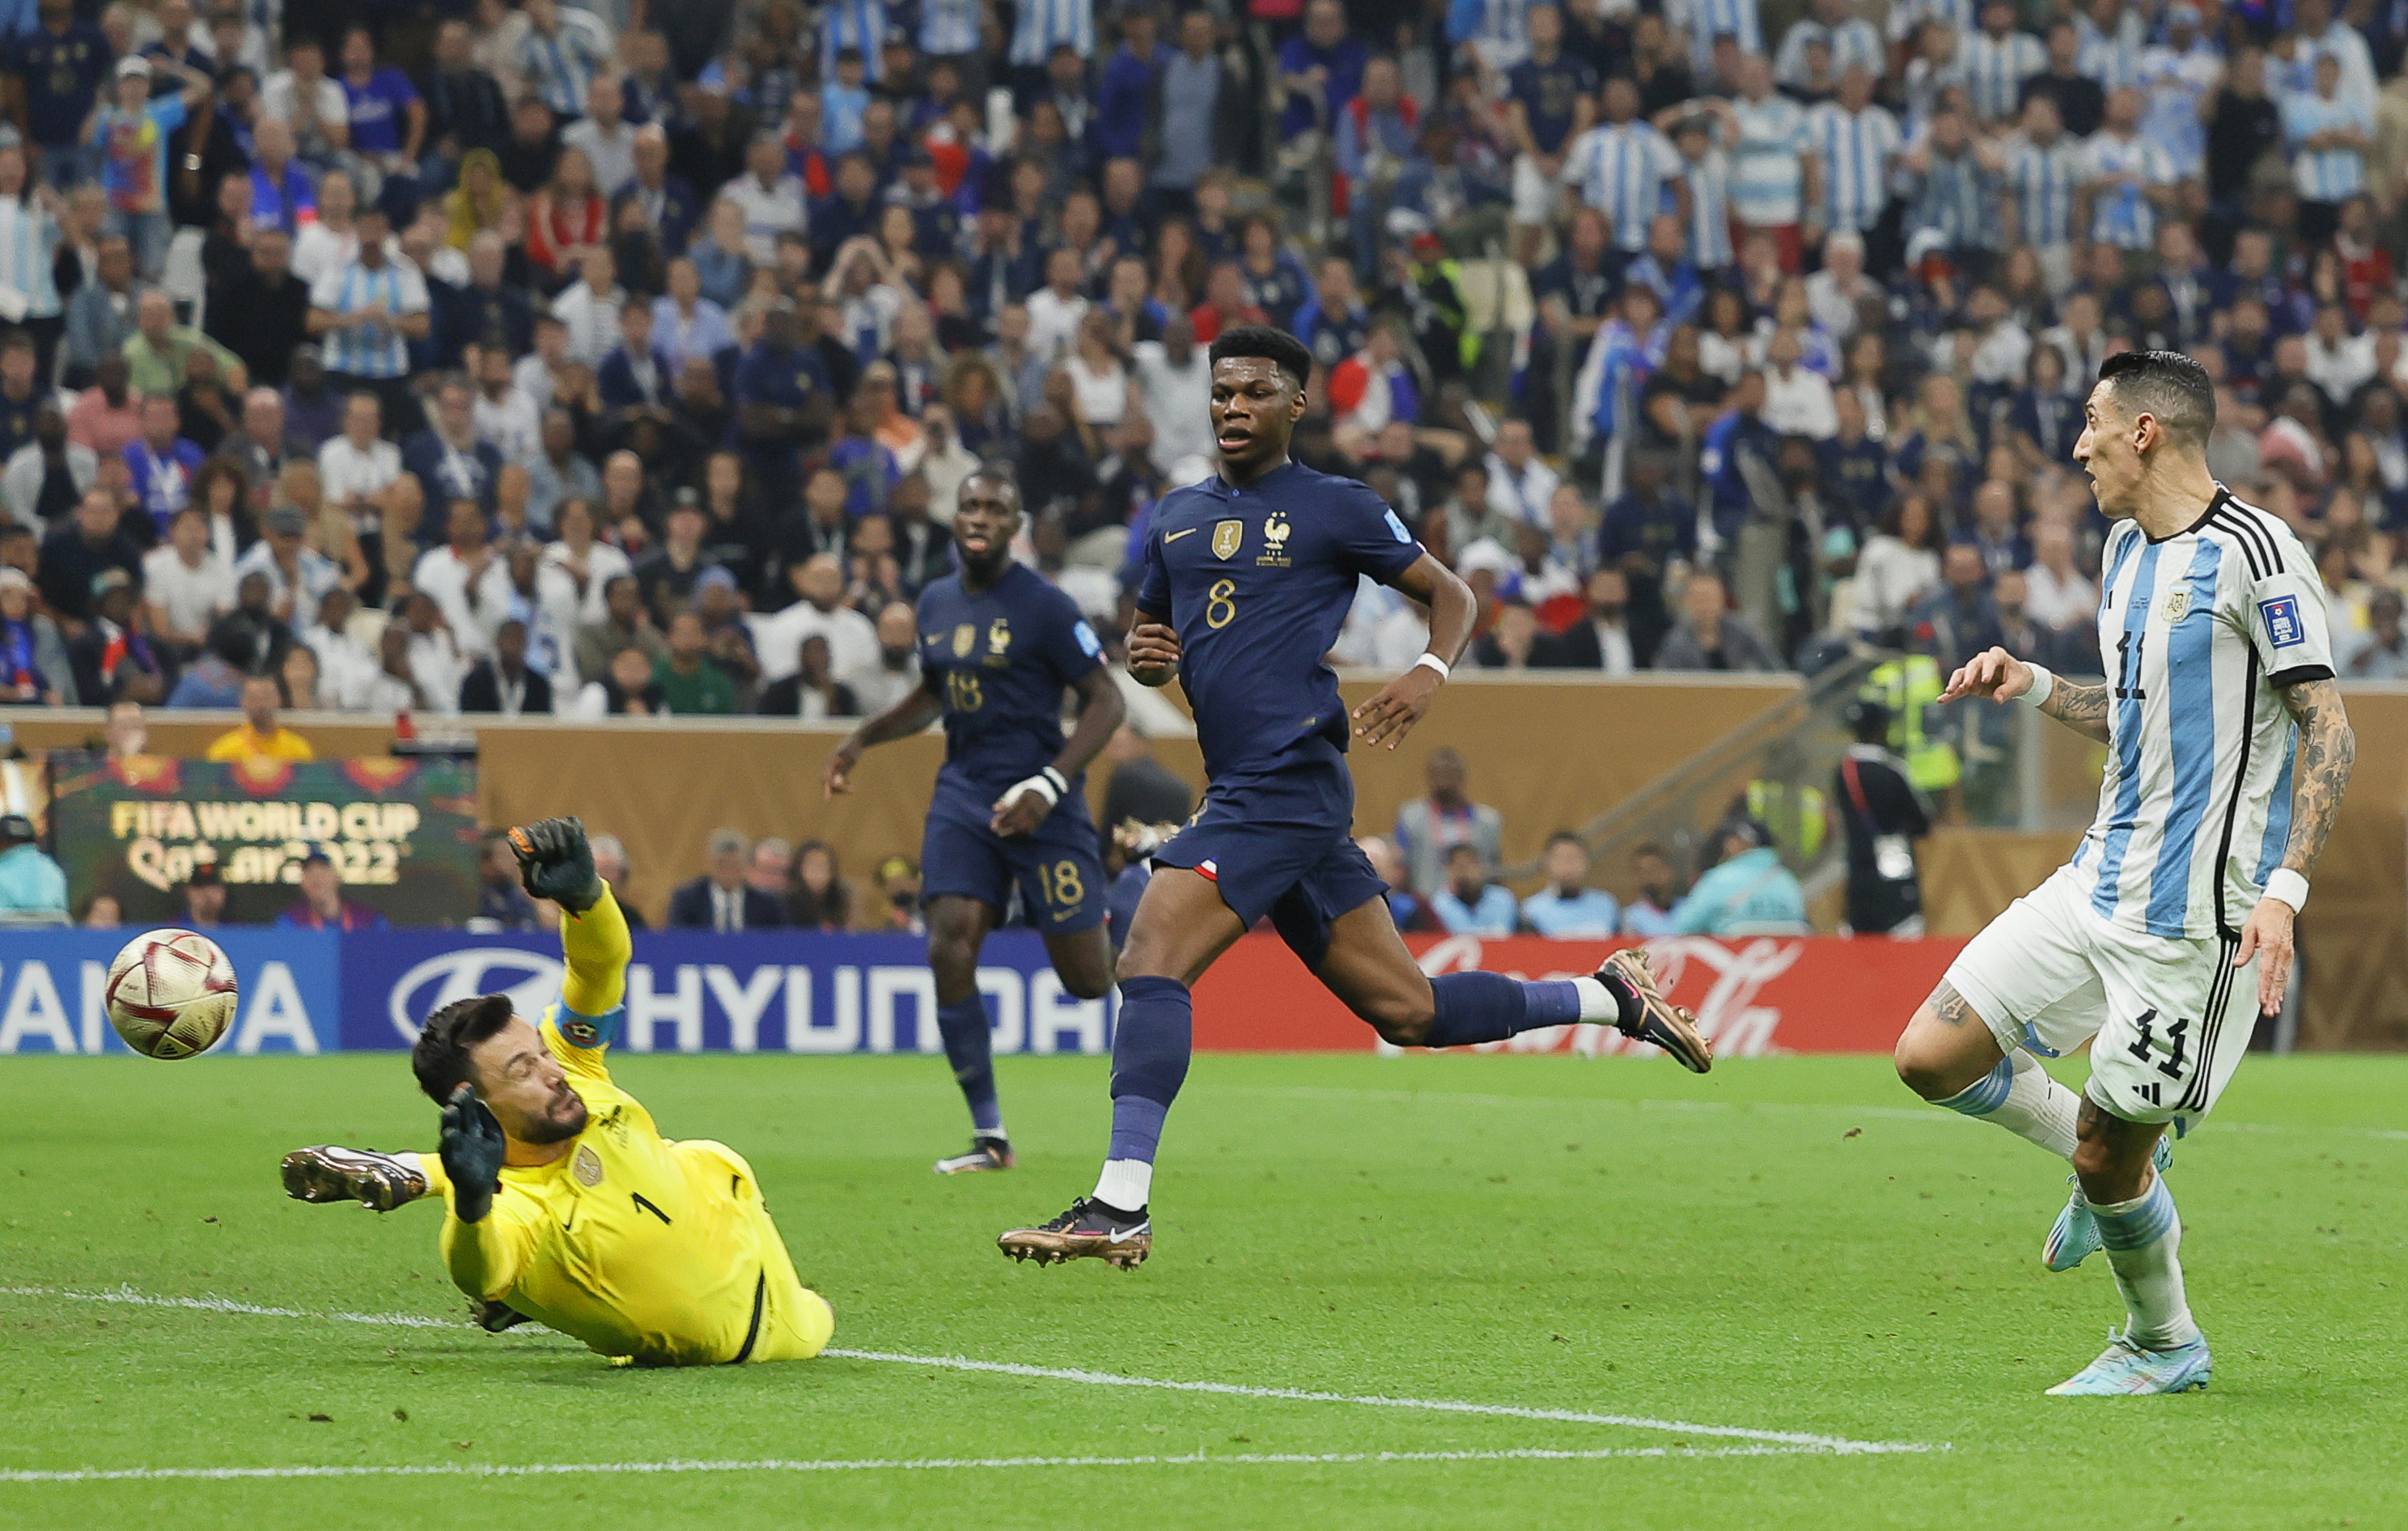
(2167,384)
(1269,344)
(440,1059)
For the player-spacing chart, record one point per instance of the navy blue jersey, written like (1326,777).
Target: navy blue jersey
(1550,94)
(1257,582)
(1001,659)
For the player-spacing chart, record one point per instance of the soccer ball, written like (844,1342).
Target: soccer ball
(171,994)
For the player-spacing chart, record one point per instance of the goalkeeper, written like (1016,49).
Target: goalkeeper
(566,1205)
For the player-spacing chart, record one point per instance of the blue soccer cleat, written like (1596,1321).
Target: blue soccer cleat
(2124,1369)
(2074,1238)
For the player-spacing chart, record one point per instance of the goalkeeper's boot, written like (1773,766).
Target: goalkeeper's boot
(327,1173)
(2126,1369)
(1647,1016)
(494,1317)
(988,1151)
(2074,1238)
(1089,1230)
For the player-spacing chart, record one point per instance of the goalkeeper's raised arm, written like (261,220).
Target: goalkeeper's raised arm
(556,861)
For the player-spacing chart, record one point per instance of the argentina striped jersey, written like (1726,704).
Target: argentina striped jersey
(1996,69)
(2199,633)
(1766,179)
(2043,179)
(1710,242)
(1855,150)
(1621,171)
(2326,175)
(2121,213)
(1707,20)
(1041,24)
(370,350)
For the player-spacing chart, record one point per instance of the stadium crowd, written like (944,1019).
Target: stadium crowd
(455,357)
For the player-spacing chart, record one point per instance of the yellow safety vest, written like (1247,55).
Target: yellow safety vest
(1910,687)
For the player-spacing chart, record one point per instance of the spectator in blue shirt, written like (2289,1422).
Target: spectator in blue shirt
(59,66)
(1650,914)
(1469,904)
(1748,894)
(1567,907)
(31,884)
(1125,96)
(1322,68)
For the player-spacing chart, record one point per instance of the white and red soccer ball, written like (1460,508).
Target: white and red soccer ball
(171,994)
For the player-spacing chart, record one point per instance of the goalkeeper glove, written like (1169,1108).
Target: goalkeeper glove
(555,862)
(472,1149)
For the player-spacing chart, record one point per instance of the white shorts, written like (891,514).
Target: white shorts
(2165,1027)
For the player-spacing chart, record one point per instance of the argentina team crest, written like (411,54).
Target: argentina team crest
(2177,606)
(1227,536)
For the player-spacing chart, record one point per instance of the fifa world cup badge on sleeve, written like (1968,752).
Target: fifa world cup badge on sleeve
(2282,616)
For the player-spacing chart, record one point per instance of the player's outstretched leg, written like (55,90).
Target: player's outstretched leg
(1182,924)
(957,928)
(2160,1348)
(378,1181)
(1362,959)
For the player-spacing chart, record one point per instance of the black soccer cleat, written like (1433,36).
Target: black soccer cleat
(1088,1231)
(987,1151)
(381,1182)
(1647,1016)
(494,1317)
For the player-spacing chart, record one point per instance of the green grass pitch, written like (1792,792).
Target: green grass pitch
(1786,1246)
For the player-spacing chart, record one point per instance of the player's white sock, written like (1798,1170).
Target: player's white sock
(1596,1001)
(1125,1183)
(2020,1096)
(2144,1240)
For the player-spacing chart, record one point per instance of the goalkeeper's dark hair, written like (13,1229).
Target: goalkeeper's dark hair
(1267,343)
(440,1059)
(2168,385)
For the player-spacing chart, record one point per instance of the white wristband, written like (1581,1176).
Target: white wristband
(2286,886)
(2043,686)
(1431,660)
(1047,784)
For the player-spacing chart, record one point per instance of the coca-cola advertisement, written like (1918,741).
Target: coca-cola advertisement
(1754,995)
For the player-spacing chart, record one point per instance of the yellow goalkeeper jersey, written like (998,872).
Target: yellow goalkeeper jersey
(661,1251)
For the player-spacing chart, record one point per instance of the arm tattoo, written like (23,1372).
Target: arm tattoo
(2082,708)
(1949,1006)
(2328,749)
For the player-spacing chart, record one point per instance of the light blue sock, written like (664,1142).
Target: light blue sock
(2144,1240)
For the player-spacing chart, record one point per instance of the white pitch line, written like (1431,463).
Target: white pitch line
(1199,1459)
(1443,1406)
(1797,1439)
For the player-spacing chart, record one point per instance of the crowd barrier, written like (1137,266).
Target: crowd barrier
(313,992)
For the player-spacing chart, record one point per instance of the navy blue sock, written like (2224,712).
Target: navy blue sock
(966,1048)
(1490,1007)
(1150,1053)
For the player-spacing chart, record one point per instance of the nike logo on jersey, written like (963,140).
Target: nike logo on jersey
(1176,535)
(1122,1236)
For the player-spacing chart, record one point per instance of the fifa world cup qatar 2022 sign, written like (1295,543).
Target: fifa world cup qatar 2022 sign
(402,835)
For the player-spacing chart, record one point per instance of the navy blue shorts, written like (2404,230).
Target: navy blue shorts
(1060,876)
(1282,845)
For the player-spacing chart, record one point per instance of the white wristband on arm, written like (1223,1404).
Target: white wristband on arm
(2286,886)
(1431,660)
(1048,783)
(2043,687)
